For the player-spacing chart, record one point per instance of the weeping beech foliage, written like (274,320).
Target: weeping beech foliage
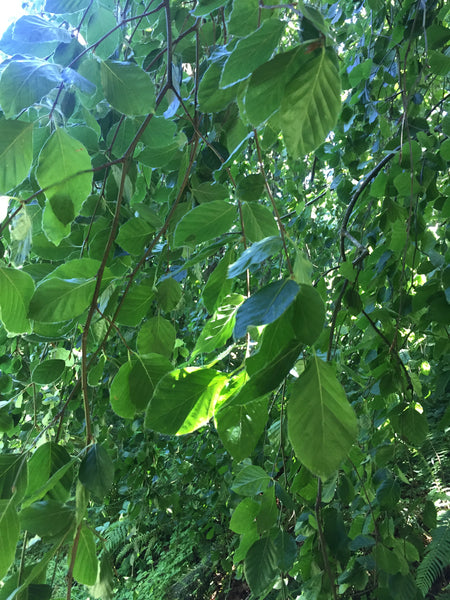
(224,299)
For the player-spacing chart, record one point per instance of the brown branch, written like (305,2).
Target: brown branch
(69,576)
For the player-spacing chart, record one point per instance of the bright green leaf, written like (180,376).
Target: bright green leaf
(322,426)
(184,400)
(251,51)
(85,566)
(16,290)
(16,153)
(205,222)
(128,88)
(311,103)
(9,535)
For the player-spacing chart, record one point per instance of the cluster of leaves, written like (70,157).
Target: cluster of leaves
(225,221)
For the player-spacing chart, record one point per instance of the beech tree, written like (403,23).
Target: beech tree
(224,300)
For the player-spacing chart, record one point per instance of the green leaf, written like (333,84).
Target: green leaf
(388,494)
(286,550)
(220,327)
(48,371)
(97,471)
(134,236)
(251,481)
(136,304)
(32,28)
(128,88)
(86,565)
(47,518)
(218,286)
(50,473)
(184,400)
(207,192)
(243,517)
(240,423)
(25,82)
(411,426)
(267,516)
(56,300)
(311,103)
(211,98)
(64,170)
(65,6)
(260,565)
(102,25)
(244,16)
(9,535)
(322,426)
(251,51)
(206,7)
(255,255)
(204,223)
(267,84)
(157,335)
(13,477)
(16,290)
(259,222)
(266,305)
(168,294)
(16,153)
(135,382)
(250,188)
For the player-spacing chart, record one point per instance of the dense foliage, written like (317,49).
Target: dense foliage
(224,300)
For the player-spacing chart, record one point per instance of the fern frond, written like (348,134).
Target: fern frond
(436,559)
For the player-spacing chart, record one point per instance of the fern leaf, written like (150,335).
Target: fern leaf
(436,559)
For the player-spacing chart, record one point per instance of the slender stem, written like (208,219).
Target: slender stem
(272,200)
(322,544)
(353,200)
(69,577)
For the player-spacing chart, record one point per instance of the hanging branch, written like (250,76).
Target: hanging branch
(272,200)
(354,199)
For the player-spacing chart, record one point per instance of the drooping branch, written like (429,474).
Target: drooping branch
(354,199)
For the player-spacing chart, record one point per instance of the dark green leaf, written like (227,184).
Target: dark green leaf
(265,305)
(286,549)
(48,371)
(47,518)
(260,566)
(97,471)
(255,255)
